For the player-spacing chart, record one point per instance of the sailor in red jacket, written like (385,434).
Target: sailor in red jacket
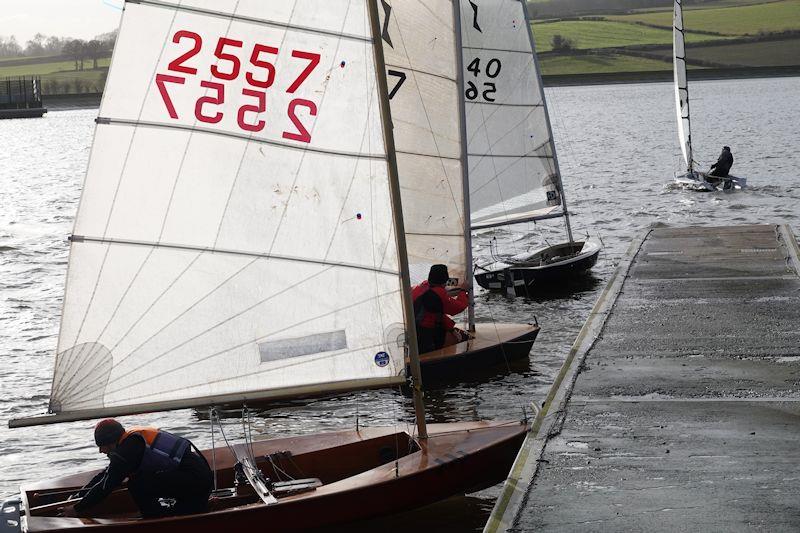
(432,305)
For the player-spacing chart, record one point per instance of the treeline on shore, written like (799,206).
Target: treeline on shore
(42,46)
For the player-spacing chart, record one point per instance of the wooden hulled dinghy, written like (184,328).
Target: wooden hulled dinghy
(489,345)
(366,473)
(203,281)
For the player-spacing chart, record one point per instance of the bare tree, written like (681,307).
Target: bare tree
(9,47)
(36,46)
(94,50)
(76,49)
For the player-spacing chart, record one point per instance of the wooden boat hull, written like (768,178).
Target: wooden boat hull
(372,472)
(491,345)
(527,276)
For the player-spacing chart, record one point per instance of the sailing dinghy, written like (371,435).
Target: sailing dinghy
(691,179)
(513,168)
(240,238)
(431,150)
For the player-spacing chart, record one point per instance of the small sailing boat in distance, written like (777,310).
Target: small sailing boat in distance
(690,178)
(514,175)
(197,277)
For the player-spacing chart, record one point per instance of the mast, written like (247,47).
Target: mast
(464,162)
(397,213)
(547,119)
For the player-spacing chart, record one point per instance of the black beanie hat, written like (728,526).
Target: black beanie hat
(107,431)
(438,275)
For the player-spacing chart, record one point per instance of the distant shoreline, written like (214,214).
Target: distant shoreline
(654,76)
(61,102)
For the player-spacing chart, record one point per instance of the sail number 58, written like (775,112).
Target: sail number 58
(259,73)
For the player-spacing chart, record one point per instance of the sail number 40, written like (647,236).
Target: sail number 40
(492,70)
(259,75)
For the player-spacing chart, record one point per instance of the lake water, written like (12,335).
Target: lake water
(618,150)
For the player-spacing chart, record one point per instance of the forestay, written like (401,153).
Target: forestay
(513,174)
(420,50)
(681,84)
(235,235)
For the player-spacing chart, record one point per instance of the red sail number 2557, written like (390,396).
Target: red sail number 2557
(259,75)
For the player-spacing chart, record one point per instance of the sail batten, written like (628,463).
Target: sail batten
(248,138)
(239,171)
(513,172)
(101,240)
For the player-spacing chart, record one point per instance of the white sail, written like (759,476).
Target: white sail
(513,174)
(238,176)
(681,85)
(420,49)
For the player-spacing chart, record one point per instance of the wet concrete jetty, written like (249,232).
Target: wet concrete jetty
(678,407)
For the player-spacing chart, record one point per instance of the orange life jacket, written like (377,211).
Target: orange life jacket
(148,433)
(163,451)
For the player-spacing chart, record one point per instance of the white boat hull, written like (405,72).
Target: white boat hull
(700,181)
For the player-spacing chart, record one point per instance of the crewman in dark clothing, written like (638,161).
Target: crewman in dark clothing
(723,165)
(432,305)
(157,465)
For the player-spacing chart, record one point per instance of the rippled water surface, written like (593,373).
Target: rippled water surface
(617,148)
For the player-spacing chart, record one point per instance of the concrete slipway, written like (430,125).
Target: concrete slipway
(678,407)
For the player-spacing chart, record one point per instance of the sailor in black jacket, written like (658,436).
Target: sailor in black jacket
(723,165)
(157,465)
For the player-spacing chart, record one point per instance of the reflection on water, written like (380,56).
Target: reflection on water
(618,150)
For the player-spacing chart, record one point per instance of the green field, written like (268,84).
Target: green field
(587,34)
(591,64)
(744,20)
(762,54)
(42,69)
(60,77)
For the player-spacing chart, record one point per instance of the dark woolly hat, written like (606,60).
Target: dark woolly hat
(107,431)
(438,275)
(728,148)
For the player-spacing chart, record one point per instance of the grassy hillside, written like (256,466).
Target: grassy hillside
(587,34)
(723,34)
(597,64)
(59,76)
(743,20)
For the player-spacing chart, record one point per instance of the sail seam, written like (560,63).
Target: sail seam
(423,72)
(436,156)
(254,20)
(511,221)
(194,129)
(526,52)
(498,104)
(434,234)
(523,156)
(186,247)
